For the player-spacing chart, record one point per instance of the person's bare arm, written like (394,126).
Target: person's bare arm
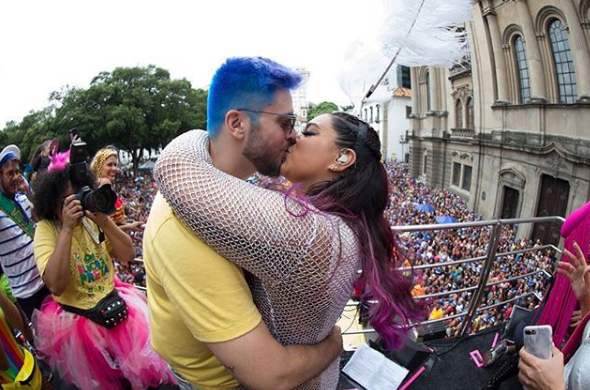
(12,313)
(260,362)
(122,246)
(57,272)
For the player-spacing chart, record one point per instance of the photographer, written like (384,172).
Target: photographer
(93,329)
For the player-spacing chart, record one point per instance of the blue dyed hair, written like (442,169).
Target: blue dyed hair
(245,82)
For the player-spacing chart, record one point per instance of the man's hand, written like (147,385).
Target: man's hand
(541,374)
(334,339)
(71,212)
(259,362)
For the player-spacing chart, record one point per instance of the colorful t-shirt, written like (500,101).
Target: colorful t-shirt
(14,352)
(91,266)
(118,216)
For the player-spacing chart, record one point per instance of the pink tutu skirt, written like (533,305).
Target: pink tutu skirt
(93,357)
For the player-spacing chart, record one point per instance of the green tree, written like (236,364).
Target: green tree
(30,132)
(321,108)
(135,109)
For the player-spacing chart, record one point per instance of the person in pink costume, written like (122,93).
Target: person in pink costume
(561,302)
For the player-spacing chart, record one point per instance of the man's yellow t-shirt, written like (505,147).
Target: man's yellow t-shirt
(195,297)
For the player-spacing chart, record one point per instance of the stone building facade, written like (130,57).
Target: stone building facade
(509,130)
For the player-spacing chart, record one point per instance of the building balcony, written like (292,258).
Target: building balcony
(463,68)
(462,134)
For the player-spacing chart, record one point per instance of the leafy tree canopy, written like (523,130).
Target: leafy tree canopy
(135,109)
(322,108)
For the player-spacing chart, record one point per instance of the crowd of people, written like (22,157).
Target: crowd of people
(441,246)
(137,194)
(430,247)
(76,247)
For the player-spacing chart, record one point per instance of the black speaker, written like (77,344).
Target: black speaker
(433,331)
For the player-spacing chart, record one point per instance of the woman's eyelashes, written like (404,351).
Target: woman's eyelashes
(308,133)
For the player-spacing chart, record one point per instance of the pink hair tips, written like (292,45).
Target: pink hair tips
(59,161)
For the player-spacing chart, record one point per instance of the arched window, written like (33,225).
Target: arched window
(459,114)
(524,80)
(469,115)
(377,116)
(371,110)
(427,77)
(564,64)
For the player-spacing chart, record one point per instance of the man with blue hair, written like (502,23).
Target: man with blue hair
(16,235)
(203,320)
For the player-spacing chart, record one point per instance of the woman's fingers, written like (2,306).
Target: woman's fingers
(573,259)
(565,269)
(580,255)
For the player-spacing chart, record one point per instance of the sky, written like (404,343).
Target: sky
(47,45)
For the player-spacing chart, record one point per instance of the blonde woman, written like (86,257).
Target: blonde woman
(104,165)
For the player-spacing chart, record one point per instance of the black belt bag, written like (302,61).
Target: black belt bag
(108,312)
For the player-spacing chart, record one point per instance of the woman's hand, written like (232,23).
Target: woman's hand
(577,272)
(71,212)
(576,318)
(98,218)
(541,374)
(136,225)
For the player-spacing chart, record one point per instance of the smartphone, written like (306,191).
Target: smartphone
(538,340)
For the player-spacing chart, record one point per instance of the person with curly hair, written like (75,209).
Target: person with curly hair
(93,329)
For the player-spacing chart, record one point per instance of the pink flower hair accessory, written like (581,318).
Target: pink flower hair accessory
(59,162)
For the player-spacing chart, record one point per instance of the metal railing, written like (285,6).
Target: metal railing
(483,278)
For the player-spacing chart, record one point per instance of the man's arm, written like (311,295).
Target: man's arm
(260,362)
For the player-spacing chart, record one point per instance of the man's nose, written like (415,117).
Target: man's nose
(292,137)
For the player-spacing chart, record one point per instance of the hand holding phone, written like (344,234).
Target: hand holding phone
(538,341)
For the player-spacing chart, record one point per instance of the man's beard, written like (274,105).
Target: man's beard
(258,152)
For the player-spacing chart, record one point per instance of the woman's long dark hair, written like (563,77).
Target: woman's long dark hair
(360,196)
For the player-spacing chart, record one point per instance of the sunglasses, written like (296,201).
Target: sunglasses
(287,121)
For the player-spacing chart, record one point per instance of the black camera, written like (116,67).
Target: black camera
(102,199)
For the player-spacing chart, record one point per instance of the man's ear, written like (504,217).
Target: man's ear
(234,122)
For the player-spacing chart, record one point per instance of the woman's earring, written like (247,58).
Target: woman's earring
(344,159)
(331,168)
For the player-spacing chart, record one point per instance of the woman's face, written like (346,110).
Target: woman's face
(308,160)
(109,169)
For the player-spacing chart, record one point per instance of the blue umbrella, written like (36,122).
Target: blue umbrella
(425,207)
(445,219)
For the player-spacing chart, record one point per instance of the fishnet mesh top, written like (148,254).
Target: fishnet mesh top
(300,269)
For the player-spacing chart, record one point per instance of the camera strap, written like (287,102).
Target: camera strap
(95,232)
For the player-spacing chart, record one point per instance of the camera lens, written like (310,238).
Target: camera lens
(104,199)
